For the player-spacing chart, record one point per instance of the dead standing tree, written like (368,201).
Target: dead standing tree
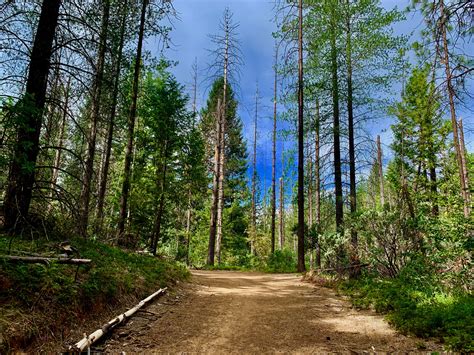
(227,60)
(254,178)
(274,132)
(194,70)
(215,185)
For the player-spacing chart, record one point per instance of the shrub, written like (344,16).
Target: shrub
(281,261)
(415,303)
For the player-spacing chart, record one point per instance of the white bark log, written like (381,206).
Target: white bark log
(43,260)
(88,340)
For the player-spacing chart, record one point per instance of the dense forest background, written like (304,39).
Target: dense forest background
(100,141)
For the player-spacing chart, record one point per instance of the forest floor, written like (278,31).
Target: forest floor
(242,312)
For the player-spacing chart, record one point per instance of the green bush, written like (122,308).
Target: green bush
(281,261)
(418,306)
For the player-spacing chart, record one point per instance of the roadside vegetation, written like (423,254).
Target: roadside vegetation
(418,306)
(41,304)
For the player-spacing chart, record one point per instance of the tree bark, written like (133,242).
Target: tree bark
(465,170)
(195,78)
(131,127)
(301,223)
(88,340)
(91,141)
(188,226)
(310,204)
(380,172)
(318,186)
(336,125)
(215,186)
(22,170)
(254,176)
(189,211)
(62,128)
(273,202)
(220,196)
(282,216)
(111,124)
(451,95)
(355,272)
(159,214)
(221,175)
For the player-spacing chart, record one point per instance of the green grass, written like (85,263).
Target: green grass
(55,295)
(226,267)
(417,309)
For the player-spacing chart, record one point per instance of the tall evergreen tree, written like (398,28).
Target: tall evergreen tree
(418,140)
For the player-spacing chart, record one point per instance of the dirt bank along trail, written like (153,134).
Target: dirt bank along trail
(236,312)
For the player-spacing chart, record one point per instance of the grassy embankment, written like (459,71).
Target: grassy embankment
(43,304)
(415,303)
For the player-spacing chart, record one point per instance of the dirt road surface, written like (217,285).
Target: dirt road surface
(236,312)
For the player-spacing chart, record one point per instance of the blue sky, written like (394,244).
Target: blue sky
(199,18)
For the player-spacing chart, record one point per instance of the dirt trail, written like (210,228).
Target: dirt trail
(235,312)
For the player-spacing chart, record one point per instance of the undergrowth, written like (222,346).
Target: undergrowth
(418,307)
(38,299)
(282,261)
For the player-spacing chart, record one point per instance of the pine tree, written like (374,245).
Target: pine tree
(418,141)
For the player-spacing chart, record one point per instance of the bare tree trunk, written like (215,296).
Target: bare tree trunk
(220,199)
(318,186)
(195,78)
(131,126)
(354,271)
(21,180)
(51,107)
(91,141)
(254,177)
(464,165)
(451,95)
(159,214)
(221,175)
(301,223)
(380,172)
(336,126)
(188,226)
(310,204)
(215,186)
(282,215)
(190,192)
(62,128)
(273,202)
(110,128)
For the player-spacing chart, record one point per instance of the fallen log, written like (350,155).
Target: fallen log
(90,339)
(339,269)
(43,260)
